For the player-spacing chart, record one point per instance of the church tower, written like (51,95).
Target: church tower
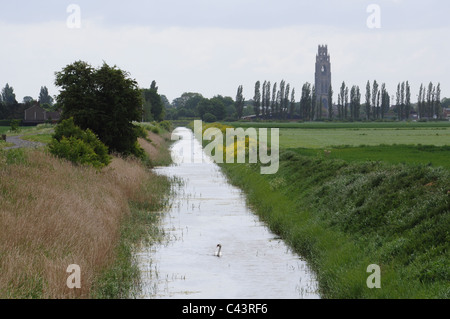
(323,75)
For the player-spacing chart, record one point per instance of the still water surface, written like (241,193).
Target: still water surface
(206,210)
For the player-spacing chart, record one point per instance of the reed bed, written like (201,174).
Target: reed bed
(54,214)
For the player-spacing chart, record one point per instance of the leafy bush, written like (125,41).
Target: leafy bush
(141,131)
(67,128)
(78,146)
(209,118)
(15,125)
(166,125)
(155,129)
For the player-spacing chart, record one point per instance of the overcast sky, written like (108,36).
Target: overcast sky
(213,46)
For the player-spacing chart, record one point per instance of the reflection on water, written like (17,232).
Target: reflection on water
(207,211)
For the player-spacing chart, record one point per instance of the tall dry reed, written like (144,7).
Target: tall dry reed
(54,214)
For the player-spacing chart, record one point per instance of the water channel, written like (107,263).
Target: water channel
(206,210)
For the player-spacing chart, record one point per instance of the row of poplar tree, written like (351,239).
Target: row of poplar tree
(273,101)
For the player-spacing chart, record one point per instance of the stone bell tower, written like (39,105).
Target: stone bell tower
(323,75)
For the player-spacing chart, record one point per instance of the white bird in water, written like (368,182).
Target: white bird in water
(218,253)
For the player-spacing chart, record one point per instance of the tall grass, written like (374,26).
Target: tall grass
(156,147)
(54,214)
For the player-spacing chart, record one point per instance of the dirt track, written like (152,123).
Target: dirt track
(19,143)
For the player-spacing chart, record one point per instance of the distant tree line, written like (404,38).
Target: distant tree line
(378,101)
(278,102)
(429,102)
(10,108)
(269,101)
(217,108)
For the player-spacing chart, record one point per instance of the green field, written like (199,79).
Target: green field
(322,138)
(323,134)
(413,143)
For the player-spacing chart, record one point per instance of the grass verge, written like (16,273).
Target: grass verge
(344,216)
(122,278)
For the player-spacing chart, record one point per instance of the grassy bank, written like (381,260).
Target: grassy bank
(347,207)
(121,279)
(54,214)
(343,216)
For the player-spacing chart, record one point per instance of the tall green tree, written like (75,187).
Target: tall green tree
(346,103)
(352,102)
(268,105)
(342,101)
(281,98)
(8,95)
(263,99)
(378,103)
(407,100)
(240,102)
(314,103)
(439,112)
(305,102)
(385,101)
(166,102)
(419,102)
(339,106)
(44,97)
(153,108)
(357,103)
(286,103)
(292,104)
(273,104)
(367,105)
(105,100)
(330,103)
(399,101)
(278,103)
(257,98)
(374,98)
(402,101)
(424,103)
(430,100)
